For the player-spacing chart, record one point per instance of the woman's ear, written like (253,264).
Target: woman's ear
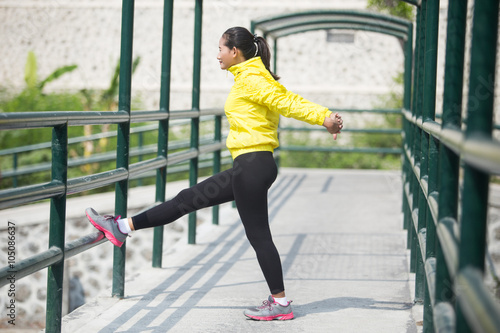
(237,55)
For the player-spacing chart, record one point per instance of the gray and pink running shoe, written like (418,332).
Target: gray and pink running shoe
(108,225)
(270,310)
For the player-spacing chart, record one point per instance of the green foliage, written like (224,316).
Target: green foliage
(31,71)
(394,99)
(107,99)
(33,98)
(392,7)
(56,74)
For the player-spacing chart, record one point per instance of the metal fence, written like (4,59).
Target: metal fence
(446,170)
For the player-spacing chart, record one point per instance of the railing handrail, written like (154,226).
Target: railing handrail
(30,119)
(484,153)
(95,136)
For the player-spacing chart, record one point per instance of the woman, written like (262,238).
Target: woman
(252,108)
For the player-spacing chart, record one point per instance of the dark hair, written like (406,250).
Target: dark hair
(250,45)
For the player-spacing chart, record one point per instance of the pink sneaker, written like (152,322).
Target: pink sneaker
(108,225)
(270,310)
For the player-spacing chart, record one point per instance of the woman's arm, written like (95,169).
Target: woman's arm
(277,98)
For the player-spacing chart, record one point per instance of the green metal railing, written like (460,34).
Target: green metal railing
(446,213)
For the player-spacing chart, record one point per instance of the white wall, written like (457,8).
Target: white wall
(88,34)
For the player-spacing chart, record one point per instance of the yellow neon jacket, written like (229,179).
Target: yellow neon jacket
(253,107)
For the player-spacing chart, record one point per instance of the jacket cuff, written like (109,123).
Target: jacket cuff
(326,115)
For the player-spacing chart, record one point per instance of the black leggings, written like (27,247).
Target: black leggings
(247,183)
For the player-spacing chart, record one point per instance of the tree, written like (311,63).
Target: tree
(392,7)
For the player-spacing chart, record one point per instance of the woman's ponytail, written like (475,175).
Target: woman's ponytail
(251,46)
(264,52)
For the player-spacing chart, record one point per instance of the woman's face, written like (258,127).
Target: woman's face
(227,57)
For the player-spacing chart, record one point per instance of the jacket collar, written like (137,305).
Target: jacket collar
(252,63)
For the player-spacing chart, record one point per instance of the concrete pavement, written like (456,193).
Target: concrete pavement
(343,250)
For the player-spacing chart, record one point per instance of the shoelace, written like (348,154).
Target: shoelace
(111,217)
(266,304)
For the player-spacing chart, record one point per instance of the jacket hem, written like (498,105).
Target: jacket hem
(235,152)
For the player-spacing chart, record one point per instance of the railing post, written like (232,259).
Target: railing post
(195,122)
(140,144)
(408,68)
(405,123)
(479,125)
(410,135)
(217,162)
(161,174)
(55,272)
(123,140)
(429,145)
(449,160)
(14,167)
(417,155)
(410,139)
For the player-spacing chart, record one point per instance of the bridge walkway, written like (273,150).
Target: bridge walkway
(344,257)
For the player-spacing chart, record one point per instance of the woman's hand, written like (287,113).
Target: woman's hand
(334,124)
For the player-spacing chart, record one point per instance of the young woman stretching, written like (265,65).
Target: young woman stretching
(252,108)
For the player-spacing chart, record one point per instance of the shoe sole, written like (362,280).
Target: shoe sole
(287,316)
(108,234)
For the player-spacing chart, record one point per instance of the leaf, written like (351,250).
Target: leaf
(56,74)
(112,90)
(392,7)
(135,63)
(30,70)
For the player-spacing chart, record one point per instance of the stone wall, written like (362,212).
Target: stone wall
(88,34)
